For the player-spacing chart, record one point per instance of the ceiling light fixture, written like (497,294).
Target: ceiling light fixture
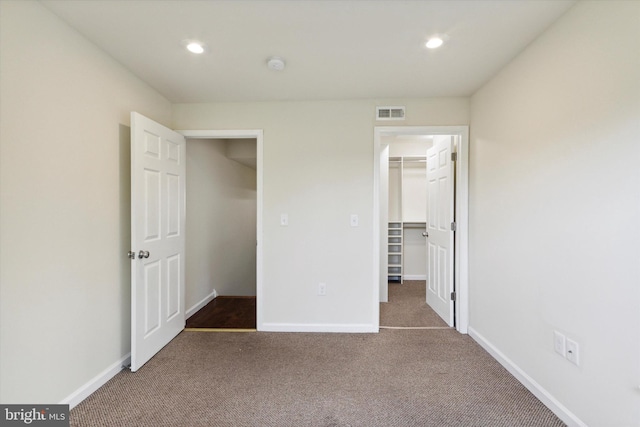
(275,63)
(434,42)
(195,47)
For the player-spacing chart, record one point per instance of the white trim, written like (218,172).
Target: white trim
(319,327)
(95,383)
(462,213)
(258,134)
(197,306)
(536,389)
(416,328)
(221,134)
(462,231)
(415,277)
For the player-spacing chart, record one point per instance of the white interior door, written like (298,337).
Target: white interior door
(157,237)
(440,181)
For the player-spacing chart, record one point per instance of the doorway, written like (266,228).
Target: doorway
(221,233)
(382,136)
(244,149)
(158,230)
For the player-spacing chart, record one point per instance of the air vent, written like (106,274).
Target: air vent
(389,113)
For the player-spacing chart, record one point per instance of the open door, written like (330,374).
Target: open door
(157,237)
(440,237)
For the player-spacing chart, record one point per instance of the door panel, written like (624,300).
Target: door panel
(151,308)
(173,294)
(173,208)
(439,219)
(151,197)
(157,237)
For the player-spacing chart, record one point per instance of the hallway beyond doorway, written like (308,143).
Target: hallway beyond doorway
(407,307)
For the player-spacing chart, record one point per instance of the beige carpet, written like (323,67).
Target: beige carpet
(407,306)
(434,377)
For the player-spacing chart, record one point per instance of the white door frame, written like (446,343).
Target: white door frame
(256,134)
(461,268)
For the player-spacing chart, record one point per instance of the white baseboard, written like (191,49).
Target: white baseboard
(206,300)
(538,391)
(415,277)
(318,327)
(98,381)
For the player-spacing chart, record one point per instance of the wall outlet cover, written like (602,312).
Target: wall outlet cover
(322,289)
(573,352)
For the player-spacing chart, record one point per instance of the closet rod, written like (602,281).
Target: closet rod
(408,159)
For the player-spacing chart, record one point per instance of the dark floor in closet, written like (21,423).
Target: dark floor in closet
(226,312)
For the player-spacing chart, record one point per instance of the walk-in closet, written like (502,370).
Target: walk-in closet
(407,208)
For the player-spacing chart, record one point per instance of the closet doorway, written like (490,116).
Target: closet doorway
(407,206)
(224,204)
(410,205)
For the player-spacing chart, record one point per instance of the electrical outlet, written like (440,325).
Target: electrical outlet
(284,219)
(559,343)
(355,221)
(573,352)
(322,289)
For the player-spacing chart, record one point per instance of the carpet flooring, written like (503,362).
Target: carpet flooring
(407,306)
(396,378)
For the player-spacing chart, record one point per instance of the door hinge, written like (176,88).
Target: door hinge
(453,296)
(454,157)
(453,226)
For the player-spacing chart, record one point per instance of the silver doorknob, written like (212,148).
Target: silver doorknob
(425,234)
(143,254)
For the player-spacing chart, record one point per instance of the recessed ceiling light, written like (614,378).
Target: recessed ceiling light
(434,42)
(195,47)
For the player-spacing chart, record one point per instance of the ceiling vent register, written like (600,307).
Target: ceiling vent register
(389,113)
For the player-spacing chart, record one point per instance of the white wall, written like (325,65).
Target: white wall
(409,145)
(64,205)
(414,191)
(554,210)
(415,254)
(221,222)
(243,150)
(384,221)
(318,168)
(395,191)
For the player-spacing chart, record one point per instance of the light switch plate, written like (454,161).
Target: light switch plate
(559,343)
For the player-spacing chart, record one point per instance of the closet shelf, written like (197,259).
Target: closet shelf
(394,250)
(414,224)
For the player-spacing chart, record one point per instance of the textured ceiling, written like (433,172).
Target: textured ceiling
(333,49)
